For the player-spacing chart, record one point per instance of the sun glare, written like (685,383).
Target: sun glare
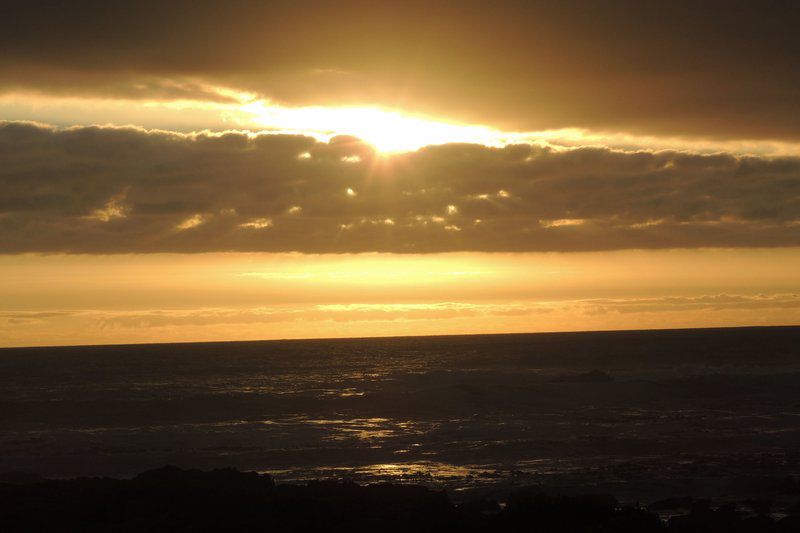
(387,130)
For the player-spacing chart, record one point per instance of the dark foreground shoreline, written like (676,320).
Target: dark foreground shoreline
(173,499)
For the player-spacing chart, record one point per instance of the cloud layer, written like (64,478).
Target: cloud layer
(118,190)
(718,68)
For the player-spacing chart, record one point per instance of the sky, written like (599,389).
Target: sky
(193,171)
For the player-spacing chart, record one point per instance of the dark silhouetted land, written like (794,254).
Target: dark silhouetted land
(171,499)
(648,416)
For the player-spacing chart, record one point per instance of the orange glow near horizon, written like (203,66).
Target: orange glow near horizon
(85,299)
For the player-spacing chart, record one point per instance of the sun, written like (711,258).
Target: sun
(389,131)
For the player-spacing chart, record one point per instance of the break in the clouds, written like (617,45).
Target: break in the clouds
(118,190)
(711,68)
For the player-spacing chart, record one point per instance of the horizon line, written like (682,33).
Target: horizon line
(304,339)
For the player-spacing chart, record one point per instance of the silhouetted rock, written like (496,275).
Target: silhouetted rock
(724,519)
(536,511)
(173,499)
(669,504)
(482,506)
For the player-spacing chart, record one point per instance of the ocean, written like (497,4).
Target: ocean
(642,414)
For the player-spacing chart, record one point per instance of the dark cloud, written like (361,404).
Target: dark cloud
(116,190)
(719,68)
